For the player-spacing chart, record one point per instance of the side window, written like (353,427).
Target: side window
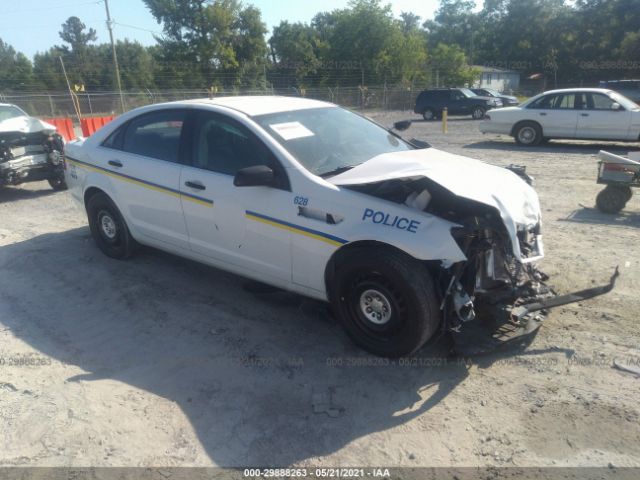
(544,102)
(457,95)
(116,138)
(224,146)
(565,102)
(155,135)
(601,102)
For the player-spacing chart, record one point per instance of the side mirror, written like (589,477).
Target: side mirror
(616,106)
(256,176)
(402,125)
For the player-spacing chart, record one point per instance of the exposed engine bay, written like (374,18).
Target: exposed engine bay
(492,297)
(30,150)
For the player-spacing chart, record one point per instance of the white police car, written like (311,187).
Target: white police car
(401,238)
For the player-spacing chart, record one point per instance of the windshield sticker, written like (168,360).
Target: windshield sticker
(291,130)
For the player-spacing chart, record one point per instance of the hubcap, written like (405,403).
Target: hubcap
(428,114)
(108,227)
(526,135)
(375,307)
(478,113)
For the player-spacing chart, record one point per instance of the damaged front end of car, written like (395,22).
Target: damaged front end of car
(497,295)
(32,153)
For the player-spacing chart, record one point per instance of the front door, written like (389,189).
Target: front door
(599,120)
(228,223)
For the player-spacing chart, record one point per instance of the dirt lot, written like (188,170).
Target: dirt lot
(159,361)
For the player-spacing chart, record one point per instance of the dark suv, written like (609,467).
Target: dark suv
(628,88)
(458,101)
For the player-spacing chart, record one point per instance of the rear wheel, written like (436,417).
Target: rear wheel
(386,301)
(429,114)
(108,228)
(613,199)
(478,113)
(528,134)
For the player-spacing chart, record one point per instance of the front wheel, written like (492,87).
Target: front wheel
(58,184)
(613,199)
(478,113)
(528,134)
(108,228)
(386,301)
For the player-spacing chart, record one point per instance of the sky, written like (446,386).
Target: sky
(33,25)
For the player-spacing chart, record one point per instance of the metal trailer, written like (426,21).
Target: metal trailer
(620,175)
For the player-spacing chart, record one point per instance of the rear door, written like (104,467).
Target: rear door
(557,115)
(143,160)
(232,224)
(598,120)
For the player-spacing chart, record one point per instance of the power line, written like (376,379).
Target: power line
(17,12)
(155,32)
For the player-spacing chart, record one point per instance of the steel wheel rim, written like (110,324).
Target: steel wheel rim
(375,306)
(526,135)
(108,226)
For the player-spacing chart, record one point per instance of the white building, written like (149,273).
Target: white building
(505,81)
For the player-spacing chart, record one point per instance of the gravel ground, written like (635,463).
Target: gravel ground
(160,361)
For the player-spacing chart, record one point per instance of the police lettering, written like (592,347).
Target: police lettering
(395,221)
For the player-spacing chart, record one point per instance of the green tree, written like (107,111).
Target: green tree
(16,70)
(295,49)
(218,41)
(449,66)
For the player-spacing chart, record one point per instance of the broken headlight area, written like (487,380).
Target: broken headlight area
(30,157)
(481,295)
(493,298)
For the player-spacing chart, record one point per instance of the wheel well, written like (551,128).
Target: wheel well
(346,250)
(91,191)
(517,125)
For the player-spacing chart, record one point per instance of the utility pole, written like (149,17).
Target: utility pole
(115,55)
(74,98)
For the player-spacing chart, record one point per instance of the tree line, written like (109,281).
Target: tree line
(224,44)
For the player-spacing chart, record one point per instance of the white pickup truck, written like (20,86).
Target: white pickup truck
(306,196)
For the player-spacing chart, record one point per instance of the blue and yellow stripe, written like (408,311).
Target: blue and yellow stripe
(300,230)
(142,183)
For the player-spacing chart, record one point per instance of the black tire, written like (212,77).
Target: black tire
(58,184)
(528,134)
(429,114)
(108,228)
(478,113)
(371,280)
(613,199)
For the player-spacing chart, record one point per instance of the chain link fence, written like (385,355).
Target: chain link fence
(60,104)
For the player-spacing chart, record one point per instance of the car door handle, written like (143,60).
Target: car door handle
(584,114)
(196,185)
(543,114)
(115,163)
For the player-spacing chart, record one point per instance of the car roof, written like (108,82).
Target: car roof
(260,104)
(584,90)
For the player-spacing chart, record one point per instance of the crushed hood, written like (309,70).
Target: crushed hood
(25,124)
(491,185)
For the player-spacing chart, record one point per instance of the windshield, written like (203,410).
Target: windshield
(468,92)
(492,92)
(9,111)
(624,101)
(329,140)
